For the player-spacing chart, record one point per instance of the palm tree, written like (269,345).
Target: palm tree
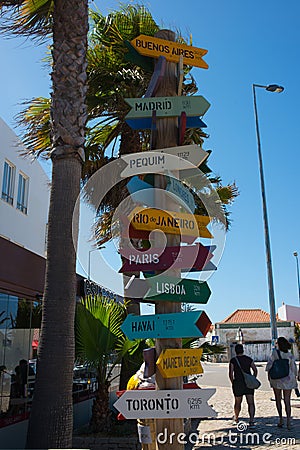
(101,344)
(50,423)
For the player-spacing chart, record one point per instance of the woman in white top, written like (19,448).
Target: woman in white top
(285,384)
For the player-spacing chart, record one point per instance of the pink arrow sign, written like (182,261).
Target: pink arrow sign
(184,258)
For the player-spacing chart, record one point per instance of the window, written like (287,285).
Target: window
(22,193)
(8,182)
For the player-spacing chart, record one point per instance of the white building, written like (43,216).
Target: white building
(24,195)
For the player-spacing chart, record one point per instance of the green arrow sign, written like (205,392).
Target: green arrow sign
(192,105)
(175,290)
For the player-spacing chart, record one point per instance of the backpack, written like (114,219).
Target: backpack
(280,368)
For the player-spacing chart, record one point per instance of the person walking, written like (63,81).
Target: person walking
(238,364)
(286,384)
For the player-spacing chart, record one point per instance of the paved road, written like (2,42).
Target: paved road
(217,375)
(221,433)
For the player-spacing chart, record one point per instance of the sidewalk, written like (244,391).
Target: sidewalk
(220,433)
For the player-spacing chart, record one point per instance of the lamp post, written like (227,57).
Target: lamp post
(89,260)
(298,275)
(270,88)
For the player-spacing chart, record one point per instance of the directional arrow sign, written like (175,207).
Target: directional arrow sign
(128,232)
(154,47)
(181,192)
(179,362)
(144,193)
(169,289)
(154,259)
(192,105)
(170,222)
(177,290)
(157,161)
(165,404)
(141,192)
(145,123)
(175,325)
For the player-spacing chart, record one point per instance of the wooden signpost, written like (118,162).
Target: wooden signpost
(157,161)
(176,325)
(170,222)
(184,258)
(192,105)
(165,404)
(155,47)
(179,362)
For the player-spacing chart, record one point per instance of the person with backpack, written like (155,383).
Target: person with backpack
(282,374)
(239,364)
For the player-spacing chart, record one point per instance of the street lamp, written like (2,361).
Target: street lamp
(298,276)
(270,88)
(89,260)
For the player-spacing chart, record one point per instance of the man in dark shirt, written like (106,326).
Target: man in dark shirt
(239,387)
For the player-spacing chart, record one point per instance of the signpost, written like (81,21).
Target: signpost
(165,404)
(176,325)
(171,222)
(192,105)
(157,161)
(184,258)
(155,47)
(179,362)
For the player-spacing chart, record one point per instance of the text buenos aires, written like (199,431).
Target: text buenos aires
(164,48)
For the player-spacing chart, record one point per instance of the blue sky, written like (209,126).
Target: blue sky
(247,42)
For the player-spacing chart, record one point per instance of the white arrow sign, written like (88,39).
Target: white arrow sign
(158,161)
(163,404)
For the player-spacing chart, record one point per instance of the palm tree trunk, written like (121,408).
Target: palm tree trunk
(51,418)
(101,414)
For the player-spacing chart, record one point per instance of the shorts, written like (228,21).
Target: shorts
(239,388)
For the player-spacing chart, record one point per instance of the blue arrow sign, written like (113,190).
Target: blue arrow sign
(175,325)
(181,193)
(140,191)
(145,123)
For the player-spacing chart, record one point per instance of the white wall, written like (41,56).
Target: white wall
(27,230)
(289,313)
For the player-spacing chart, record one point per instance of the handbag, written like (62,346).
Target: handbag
(280,368)
(250,380)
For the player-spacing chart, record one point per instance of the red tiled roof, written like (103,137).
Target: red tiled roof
(247,316)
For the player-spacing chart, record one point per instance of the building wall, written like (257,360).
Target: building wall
(256,339)
(27,230)
(289,312)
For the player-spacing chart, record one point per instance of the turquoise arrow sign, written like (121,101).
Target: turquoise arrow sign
(192,105)
(176,325)
(181,192)
(174,290)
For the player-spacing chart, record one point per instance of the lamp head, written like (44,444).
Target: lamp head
(295,254)
(274,88)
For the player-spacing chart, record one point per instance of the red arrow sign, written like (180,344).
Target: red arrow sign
(184,258)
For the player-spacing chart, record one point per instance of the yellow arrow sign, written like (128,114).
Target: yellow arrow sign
(179,362)
(155,47)
(170,222)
